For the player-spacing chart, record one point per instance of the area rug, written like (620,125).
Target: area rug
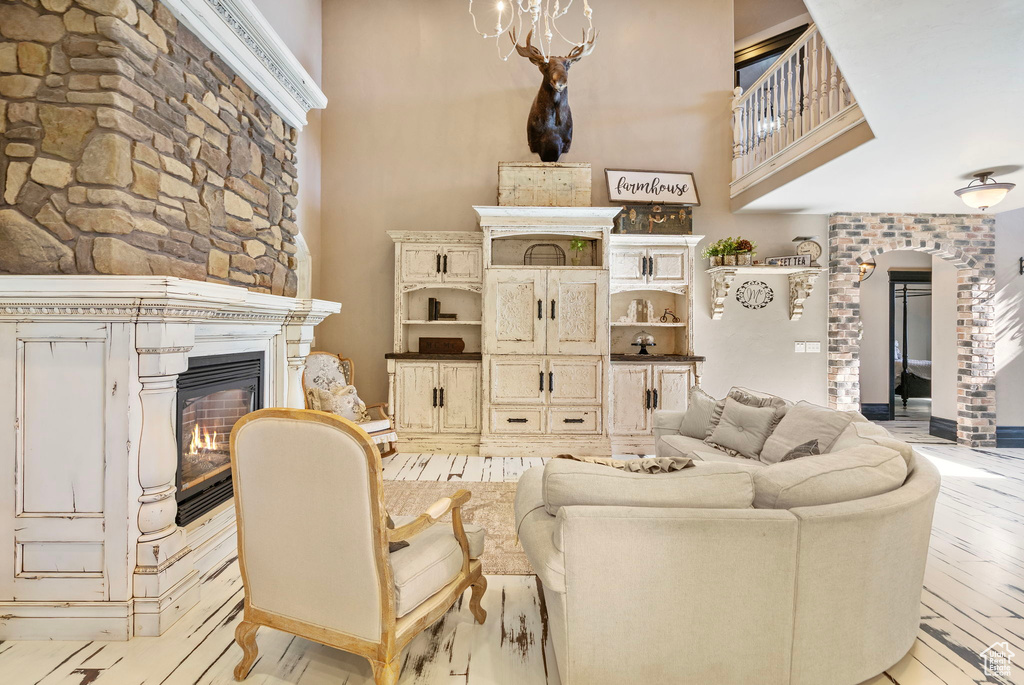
(490,506)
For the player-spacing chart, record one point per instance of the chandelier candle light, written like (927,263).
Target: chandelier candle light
(542,17)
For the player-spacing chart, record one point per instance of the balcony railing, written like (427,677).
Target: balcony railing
(790,109)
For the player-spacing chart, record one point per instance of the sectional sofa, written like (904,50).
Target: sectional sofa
(751,566)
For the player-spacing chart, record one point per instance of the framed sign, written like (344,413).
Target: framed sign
(790,260)
(656,187)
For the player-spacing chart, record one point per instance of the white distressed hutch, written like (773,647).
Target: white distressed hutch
(548,365)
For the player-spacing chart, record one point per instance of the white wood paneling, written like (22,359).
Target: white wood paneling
(630,384)
(577,312)
(464,264)
(416,391)
(460,412)
(515,306)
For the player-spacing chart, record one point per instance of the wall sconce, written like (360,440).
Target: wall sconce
(866,269)
(987,193)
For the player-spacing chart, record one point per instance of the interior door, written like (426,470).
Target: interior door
(627,264)
(518,380)
(515,307)
(667,265)
(577,312)
(417,386)
(460,401)
(421,262)
(630,383)
(575,380)
(462,264)
(672,387)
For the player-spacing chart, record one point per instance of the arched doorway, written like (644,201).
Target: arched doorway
(966,241)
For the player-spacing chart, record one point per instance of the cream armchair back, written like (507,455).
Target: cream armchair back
(313,539)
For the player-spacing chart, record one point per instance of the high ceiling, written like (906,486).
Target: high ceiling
(941,83)
(754,16)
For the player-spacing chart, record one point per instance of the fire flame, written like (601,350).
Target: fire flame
(206,442)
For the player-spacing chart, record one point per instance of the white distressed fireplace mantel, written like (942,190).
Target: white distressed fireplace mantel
(88,383)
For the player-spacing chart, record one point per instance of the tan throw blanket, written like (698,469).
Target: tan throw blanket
(643,465)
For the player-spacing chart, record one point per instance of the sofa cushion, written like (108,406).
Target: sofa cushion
(752,398)
(709,454)
(743,427)
(709,485)
(682,446)
(854,473)
(807,449)
(803,422)
(867,433)
(697,420)
(432,560)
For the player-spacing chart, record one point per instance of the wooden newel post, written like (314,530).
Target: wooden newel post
(737,133)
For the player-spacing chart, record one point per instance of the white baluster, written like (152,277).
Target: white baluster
(805,111)
(833,101)
(776,118)
(737,133)
(791,124)
(813,82)
(823,113)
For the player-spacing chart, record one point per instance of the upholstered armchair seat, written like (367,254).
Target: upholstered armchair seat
(432,560)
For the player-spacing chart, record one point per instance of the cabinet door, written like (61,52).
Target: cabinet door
(460,403)
(515,305)
(630,383)
(668,265)
(672,387)
(578,380)
(577,312)
(627,264)
(517,380)
(421,263)
(416,386)
(462,264)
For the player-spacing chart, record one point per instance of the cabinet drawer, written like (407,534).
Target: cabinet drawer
(573,420)
(517,420)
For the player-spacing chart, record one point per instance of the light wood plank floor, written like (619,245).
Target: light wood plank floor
(973,597)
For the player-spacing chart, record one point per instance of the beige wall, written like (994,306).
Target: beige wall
(299,24)
(756,17)
(874,310)
(1009,318)
(422,111)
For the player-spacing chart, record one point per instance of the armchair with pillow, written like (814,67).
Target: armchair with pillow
(791,552)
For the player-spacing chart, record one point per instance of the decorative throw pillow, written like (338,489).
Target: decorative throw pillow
(395,546)
(751,398)
(742,429)
(697,420)
(341,400)
(805,450)
(803,422)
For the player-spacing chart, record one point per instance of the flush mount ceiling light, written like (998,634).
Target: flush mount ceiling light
(983,192)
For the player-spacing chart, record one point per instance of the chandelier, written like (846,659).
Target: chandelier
(541,16)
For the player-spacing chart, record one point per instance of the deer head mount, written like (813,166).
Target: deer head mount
(549,128)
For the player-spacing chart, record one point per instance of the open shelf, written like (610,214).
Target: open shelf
(443,322)
(764,269)
(511,251)
(646,324)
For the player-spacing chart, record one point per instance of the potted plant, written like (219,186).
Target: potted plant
(728,251)
(745,251)
(713,252)
(577,245)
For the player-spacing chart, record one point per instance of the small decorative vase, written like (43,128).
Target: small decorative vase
(730,260)
(575,261)
(716,260)
(744,259)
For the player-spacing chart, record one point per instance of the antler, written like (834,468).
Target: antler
(583,49)
(529,52)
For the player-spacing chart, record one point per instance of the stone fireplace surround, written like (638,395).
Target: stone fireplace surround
(87,496)
(131,147)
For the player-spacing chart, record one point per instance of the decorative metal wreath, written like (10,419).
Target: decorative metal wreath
(754,294)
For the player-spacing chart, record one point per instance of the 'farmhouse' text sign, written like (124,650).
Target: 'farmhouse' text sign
(660,187)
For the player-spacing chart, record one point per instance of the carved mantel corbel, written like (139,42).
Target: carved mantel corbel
(721,282)
(800,286)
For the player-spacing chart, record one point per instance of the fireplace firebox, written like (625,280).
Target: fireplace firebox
(213,394)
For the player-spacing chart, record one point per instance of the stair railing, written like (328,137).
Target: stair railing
(801,91)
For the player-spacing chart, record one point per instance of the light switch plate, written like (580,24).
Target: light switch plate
(799,347)
(814,347)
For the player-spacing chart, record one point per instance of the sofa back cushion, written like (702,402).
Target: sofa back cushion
(703,486)
(697,420)
(743,428)
(854,473)
(803,422)
(867,433)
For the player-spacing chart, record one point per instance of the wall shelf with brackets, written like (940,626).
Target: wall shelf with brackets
(801,284)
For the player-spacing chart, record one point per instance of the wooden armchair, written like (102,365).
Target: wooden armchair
(313,543)
(325,370)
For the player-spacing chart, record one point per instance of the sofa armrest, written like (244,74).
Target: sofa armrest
(667,422)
